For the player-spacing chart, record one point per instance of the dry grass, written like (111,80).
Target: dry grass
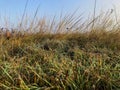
(66,55)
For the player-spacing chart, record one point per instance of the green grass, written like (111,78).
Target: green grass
(82,58)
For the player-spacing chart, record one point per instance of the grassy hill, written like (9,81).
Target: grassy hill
(64,55)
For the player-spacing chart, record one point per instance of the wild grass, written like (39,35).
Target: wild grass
(68,54)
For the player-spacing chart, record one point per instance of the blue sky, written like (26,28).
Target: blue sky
(50,7)
(15,8)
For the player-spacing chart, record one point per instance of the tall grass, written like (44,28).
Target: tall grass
(66,55)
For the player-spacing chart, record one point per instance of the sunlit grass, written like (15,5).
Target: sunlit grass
(68,54)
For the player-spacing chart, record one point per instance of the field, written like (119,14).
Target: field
(68,54)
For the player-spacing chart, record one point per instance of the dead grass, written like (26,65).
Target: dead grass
(66,55)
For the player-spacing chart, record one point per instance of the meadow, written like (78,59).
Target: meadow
(64,54)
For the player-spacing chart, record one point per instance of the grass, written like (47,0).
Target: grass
(62,55)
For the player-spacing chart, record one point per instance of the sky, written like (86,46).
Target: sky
(13,9)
